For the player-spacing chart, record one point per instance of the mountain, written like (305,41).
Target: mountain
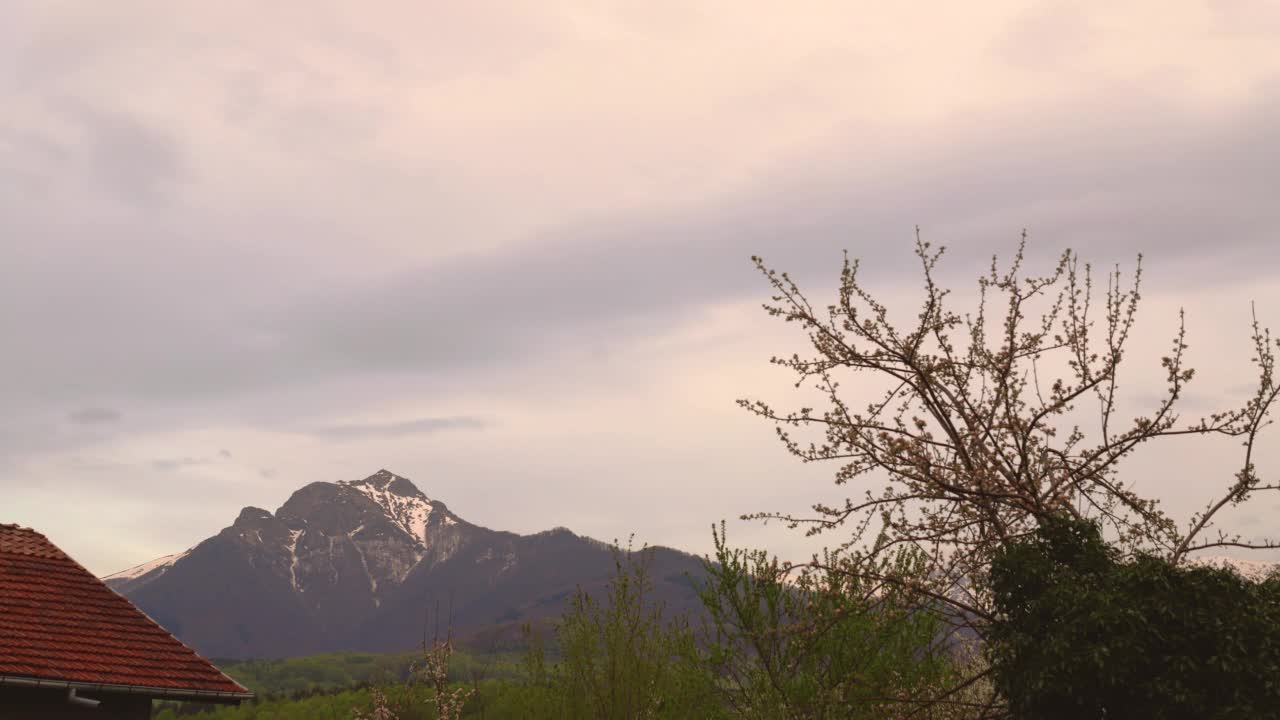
(368,565)
(1253,570)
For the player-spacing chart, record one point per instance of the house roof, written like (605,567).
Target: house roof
(59,623)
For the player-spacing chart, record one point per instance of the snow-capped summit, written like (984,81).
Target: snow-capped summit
(355,565)
(402,502)
(387,481)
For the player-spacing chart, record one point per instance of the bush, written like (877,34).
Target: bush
(818,642)
(620,658)
(1082,633)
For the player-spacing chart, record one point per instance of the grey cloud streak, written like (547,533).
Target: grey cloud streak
(95,416)
(172,464)
(1142,178)
(421,426)
(1178,197)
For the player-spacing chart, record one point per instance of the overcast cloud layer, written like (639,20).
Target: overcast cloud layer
(502,248)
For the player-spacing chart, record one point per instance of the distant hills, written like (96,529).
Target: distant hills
(370,565)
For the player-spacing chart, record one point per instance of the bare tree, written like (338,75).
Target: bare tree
(446,702)
(992,421)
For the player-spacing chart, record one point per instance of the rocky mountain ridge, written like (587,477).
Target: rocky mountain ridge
(361,565)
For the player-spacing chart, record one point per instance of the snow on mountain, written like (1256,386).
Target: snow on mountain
(1248,569)
(403,504)
(293,558)
(161,563)
(313,543)
(354,565)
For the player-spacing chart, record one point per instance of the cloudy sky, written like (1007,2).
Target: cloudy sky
(502,248)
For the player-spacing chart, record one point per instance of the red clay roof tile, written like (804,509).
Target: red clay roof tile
(59,622)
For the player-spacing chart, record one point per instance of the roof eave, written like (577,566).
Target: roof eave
(208,696)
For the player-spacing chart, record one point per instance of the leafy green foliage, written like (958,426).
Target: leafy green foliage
(315,673)
(333,706)
(1083,633)
(336,682)
(620,658)
(817,642)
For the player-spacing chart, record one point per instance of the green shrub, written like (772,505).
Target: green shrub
(817,642)
(1082,633)
(621,657)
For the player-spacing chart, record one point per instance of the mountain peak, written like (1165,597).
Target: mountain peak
(400,500)
(348,566)
(251,514)
(385,481)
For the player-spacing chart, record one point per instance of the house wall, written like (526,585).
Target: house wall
(41,704)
